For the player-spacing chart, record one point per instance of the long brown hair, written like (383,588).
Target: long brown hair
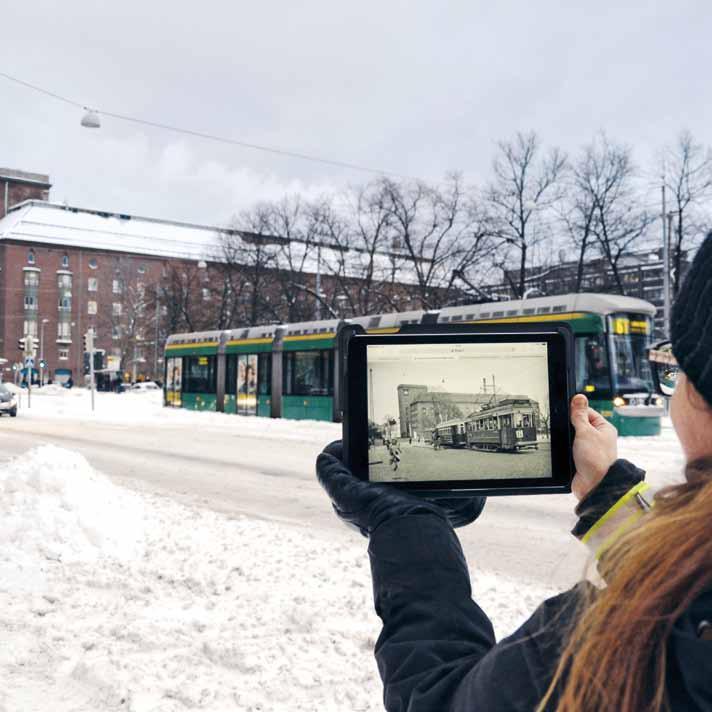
(616,655)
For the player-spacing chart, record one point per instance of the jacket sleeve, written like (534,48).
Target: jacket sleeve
(437,649)
(615,505)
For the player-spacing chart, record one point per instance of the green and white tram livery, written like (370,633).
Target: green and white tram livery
(288,370)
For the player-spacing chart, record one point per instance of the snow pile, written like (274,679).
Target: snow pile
(54,505)
(108,601)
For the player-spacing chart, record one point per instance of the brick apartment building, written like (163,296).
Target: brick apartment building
(67,270)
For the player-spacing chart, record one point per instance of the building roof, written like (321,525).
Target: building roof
(37,221)
(12,174)
(433,396)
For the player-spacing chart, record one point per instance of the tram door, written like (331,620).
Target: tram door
(506,434)
(174,379)
(247,384)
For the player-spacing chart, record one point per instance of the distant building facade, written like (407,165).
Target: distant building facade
(640,272)
(421,409)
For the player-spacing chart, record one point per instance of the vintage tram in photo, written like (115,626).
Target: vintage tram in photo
(507,425)
(510,425)
(451,433)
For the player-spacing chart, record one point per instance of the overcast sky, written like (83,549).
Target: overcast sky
(418,88)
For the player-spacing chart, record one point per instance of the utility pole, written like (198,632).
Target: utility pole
(666,265)
(317,315)
(89,348)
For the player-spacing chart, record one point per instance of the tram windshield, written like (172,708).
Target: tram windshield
(630,341)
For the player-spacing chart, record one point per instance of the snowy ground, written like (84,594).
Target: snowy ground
(118,599)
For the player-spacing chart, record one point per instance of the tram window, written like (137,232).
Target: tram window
(470,316)
(264,374)
(484,315)
(497,313)
(373,322)
(558,308)
(512,312)
(530,310)
(525,420)
(592,374)
(231,374)
(308,373)
(199,374)
(543,310)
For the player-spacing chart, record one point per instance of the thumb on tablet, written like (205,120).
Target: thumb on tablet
(579,411)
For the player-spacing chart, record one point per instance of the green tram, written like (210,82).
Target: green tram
(287,371)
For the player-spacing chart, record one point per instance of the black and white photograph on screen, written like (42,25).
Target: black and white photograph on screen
(458,411)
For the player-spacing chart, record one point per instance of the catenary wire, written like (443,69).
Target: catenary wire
(212,137)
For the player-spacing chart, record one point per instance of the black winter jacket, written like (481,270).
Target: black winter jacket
(437,650)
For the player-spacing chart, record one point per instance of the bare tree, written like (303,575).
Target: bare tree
(524,189)
(606,194)
(130,319)
(243,289)
(688,176)
(439,233)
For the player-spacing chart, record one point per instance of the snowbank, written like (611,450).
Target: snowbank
(113,600)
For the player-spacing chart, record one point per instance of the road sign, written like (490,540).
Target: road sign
(29,362)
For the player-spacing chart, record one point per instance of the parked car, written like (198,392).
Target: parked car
(144,386)
(8,400)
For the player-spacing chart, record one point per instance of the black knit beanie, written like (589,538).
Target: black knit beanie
(691,325)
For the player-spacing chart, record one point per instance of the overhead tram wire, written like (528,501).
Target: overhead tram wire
(285,153)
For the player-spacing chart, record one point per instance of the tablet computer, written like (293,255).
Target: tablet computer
(460,413)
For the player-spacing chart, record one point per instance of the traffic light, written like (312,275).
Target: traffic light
(99,360)
(26,344)
(88,341)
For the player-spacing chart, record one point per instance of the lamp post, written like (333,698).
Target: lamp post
(42,326)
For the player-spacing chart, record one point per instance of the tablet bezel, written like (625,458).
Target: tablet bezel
(559,354)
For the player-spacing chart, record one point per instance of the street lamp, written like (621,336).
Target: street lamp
(42,326)
(90,120)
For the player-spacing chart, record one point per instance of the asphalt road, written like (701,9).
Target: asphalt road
(523,537)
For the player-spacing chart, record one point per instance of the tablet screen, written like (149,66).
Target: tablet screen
(458,411)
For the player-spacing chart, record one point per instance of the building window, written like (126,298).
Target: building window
(31,303)
(142,269)
(92,284)
(92,263)
(30,328)
(115,331)
(116,308)
(206,294)
(31,257)
(32,278)
(64,331)
(65,260)
(64,281)
(91,307)
(65,304)
(116,286)
(63,354)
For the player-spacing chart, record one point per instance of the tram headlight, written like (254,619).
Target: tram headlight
(618,401)
(658,400)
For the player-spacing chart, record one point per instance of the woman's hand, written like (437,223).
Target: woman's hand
(595,446)
(366,505)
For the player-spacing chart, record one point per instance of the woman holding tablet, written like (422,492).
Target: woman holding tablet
(641,642)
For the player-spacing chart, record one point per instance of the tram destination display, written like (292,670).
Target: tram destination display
(454,412)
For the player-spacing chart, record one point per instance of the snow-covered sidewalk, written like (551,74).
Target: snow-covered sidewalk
(114,600)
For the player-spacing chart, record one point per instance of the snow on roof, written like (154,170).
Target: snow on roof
(57,224)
